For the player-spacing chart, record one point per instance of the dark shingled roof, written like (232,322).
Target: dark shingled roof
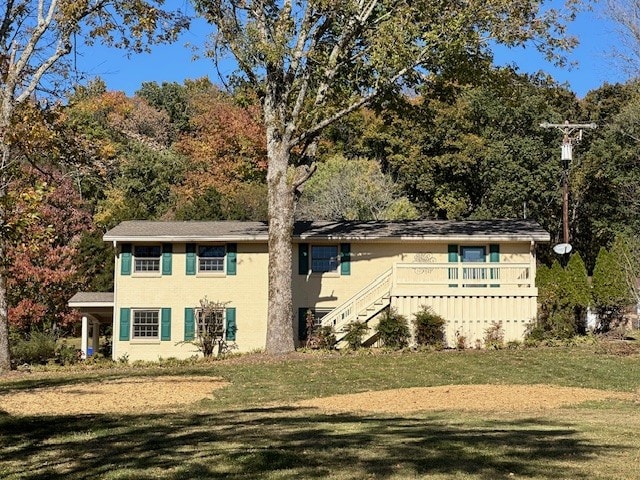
(515,230)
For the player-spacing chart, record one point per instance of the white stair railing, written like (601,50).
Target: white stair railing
(363,305)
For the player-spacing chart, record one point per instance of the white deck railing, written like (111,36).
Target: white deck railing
(510,275)
(376,295)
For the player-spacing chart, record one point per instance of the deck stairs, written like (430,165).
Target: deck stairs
(361,307)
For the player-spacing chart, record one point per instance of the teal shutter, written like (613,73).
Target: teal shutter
(232,253)
(167,253)
(125,324)
(191,259)
(494,257)
(189,324)
(165,324)
(125,259)
(303,258)
(302,323)
(453,258)
(231,324)
(345,259)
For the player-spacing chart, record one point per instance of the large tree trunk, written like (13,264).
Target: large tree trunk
(280,198)
(5,356)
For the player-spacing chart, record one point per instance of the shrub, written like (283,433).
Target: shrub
(562,301)
(429,327)
(393,330)
(318,337)
(38,347)
(494,336)
(322,338)
(610,291)
(66,354)
(354,333)
(461,341)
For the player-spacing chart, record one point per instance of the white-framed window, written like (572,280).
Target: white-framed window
(210,323)
(147,258)
(473,254)
(146,324)
(211,258)
(318,315)
(324,258)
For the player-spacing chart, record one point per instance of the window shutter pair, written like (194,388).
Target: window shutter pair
(125,324)
(126,258)
(190,324)
(231,254)
(345,259)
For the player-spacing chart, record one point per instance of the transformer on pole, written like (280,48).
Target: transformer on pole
(572,133)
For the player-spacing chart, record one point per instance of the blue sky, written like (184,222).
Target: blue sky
(174,63)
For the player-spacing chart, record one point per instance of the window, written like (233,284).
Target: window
(146,324)
(475,255)
(211,258)
(210,323)
(147,258)
(318,315)
(324,258)
(472,254)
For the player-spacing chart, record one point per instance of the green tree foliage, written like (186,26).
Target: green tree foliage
(579,290)
(605,176)
(610,292)
(176,100)
(470,150)
(94,261)
(626,250)
(143,188)
(354,189)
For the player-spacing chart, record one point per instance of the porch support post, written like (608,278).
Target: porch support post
(85,336)
(96,336)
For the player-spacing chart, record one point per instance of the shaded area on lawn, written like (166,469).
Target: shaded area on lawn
(287,442)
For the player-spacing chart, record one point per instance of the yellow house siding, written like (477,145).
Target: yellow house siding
(246,291)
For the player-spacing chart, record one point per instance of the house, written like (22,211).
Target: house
(472,273)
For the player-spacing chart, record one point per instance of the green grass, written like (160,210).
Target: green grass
(247,431)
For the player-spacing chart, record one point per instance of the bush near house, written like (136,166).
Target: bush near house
(429,327)
(354,333)
(393,330)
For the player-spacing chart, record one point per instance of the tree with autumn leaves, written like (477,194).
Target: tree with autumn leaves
(36,39)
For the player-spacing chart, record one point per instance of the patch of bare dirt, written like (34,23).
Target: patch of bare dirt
(513,398)
(126,395)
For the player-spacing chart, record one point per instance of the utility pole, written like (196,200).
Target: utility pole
(572,133)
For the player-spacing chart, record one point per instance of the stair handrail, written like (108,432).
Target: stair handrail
(347,311)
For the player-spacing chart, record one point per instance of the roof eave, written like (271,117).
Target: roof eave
(183,238)
(540,238)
